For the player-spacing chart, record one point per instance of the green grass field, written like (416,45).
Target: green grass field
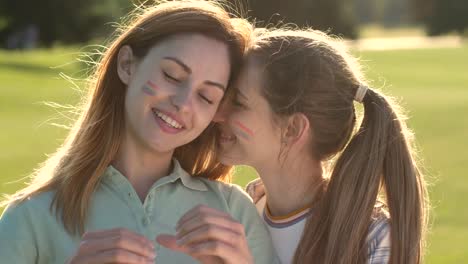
(431,83)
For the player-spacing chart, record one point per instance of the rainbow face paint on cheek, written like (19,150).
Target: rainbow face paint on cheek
(149,88)
(245,132)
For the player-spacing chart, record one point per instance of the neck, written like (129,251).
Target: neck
(292,185)
(141,166)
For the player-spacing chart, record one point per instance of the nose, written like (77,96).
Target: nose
(182,101)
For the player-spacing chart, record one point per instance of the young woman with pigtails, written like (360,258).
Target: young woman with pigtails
(333,188)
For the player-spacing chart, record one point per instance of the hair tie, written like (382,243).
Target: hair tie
(360,93)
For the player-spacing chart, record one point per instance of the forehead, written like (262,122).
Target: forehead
(195,50)
(249,82)
(249,86)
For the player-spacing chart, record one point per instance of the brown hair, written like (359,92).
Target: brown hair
(308,72)
(75,170)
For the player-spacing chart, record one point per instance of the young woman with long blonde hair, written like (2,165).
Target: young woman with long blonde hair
(142,152)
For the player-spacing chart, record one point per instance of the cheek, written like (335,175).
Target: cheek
(202,114)
(243,129)
(242,126)
(150,88)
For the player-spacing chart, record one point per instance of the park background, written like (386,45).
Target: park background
(414,50)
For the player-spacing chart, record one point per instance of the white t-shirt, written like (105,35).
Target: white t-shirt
(286,232)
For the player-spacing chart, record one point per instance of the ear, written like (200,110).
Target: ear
(125,63)
(297,130)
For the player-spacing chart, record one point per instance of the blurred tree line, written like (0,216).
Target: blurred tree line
(442,16)
(71,21)
(64,21)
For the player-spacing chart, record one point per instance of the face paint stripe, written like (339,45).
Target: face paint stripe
(148,90)
(243,134)
(152,85)
(244,128)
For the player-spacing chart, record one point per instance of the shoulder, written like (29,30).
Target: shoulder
(31,206)
(22,227)
(380,225)
(238,202)
(232,193)
(379,230)
(33,214)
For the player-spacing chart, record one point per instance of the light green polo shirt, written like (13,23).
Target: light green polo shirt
(30,233)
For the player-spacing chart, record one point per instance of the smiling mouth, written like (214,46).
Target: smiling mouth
(167,119)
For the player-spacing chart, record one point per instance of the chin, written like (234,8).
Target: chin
(229,160)
(157,147)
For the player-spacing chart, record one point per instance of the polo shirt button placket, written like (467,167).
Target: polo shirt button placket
(145,221)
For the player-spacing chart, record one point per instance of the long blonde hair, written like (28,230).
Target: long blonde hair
(75,170)
(308,72)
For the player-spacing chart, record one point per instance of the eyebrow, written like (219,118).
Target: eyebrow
(220,86)
(189,71)
(181,64)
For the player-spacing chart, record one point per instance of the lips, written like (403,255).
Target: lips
(166,118)
(167,121)
(226,136)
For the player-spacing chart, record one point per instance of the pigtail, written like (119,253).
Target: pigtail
(402,180)
(378,155)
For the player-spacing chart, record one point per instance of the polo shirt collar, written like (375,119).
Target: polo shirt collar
(115,177)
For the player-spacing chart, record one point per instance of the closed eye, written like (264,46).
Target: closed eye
(205,99)
(170,77)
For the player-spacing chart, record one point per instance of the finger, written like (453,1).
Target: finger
(260,190)
(213,248)
(205,252)
(170,242)
(115,256)
(200,209)
(128,243)
(207,219)
(117,232)
(210,233)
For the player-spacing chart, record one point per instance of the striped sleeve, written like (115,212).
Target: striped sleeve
(379,242)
